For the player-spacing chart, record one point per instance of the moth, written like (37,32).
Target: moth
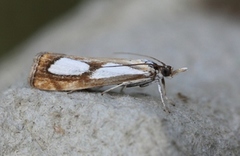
(60,72)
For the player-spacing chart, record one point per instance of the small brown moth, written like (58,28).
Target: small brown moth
(60,72)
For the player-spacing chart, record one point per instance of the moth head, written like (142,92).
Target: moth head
(167,71)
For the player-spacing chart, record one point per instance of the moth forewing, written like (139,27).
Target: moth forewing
(61,72)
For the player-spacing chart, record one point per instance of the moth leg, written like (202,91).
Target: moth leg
(145,84)
(129,84)
(71,91)
(120,85)
(123,87)
(160,90)
(164,92)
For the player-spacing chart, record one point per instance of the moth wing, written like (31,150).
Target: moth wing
(61,72)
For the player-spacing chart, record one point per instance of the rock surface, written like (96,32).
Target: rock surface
(205,120)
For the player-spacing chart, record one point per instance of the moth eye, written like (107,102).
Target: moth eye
(166,72)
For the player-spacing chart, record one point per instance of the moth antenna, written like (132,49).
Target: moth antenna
(140,55)
(137,64)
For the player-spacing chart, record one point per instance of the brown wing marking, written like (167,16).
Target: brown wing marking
(40,77)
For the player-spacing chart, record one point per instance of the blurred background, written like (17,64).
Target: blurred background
(21,19)
(203,35)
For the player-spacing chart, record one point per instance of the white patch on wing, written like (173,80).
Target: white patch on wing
(67,66)
(107,72)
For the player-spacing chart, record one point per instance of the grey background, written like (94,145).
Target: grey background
(180,33)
